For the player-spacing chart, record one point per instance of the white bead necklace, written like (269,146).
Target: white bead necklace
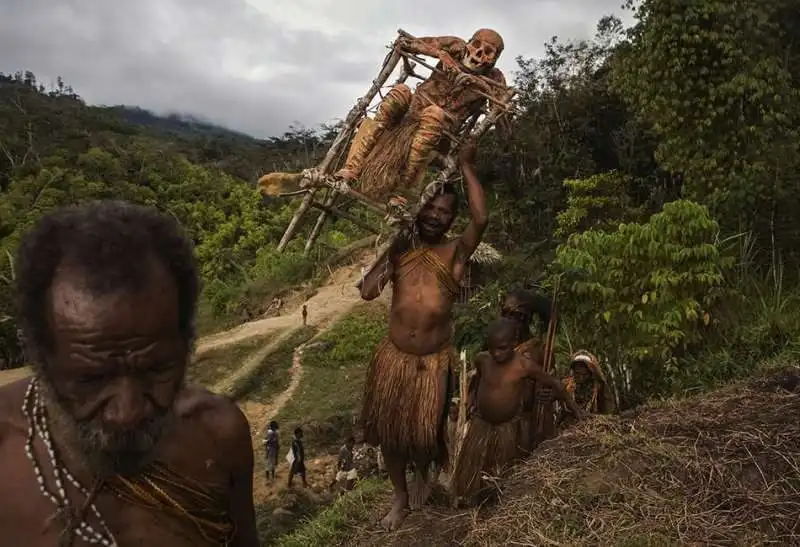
(34,411)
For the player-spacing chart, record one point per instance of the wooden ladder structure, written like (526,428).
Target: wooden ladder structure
(320,179)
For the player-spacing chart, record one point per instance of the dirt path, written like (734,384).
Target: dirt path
(296,373)
(329,303)
(259,415)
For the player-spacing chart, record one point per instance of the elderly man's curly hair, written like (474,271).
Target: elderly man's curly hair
(111,241)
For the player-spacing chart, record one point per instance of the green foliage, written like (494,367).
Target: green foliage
(214,365)
(332,525)
(699,101)
(349,341)
(643,293)
(599,202)
(473,318)
(56,151)
(713,79)
(272,376)
(757,321)
(335,363)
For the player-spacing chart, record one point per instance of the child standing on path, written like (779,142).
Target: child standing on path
(298,466)
(271,448)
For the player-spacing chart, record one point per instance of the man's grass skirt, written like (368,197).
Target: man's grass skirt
(406,401)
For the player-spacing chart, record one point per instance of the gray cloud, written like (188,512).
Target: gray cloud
(255,65)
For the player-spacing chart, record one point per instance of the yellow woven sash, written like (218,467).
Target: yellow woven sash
(425,257)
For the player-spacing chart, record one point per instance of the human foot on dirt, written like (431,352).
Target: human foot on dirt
(418,492)
(396,514)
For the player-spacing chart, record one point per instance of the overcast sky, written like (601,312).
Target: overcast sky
(256,65)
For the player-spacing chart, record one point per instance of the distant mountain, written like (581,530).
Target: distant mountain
(183,125)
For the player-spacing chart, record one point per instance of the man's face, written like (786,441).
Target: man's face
(436,218)
(454,412)
(581,373)
(117,364)
(501,349)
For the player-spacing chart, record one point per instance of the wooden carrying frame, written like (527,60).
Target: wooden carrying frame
(320,178)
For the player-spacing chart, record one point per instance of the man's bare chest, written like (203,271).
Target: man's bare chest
(34,514)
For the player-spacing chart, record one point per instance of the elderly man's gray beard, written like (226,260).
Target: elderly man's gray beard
(106,452)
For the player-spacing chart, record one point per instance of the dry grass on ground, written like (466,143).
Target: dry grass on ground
(720,469)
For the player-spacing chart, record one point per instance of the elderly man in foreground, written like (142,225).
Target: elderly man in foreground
(106,444)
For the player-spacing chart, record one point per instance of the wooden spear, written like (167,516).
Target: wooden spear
(545,420)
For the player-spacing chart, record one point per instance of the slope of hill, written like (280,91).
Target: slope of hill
(718,469)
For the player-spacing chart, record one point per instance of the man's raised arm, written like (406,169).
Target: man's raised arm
(476,198)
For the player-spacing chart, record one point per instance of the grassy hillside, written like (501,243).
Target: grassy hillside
(327,402)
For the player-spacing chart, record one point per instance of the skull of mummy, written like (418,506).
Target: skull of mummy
(483,50)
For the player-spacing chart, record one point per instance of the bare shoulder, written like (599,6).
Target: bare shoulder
(532,350)
(482,359)
(524,363)
(219,414)
(11,397)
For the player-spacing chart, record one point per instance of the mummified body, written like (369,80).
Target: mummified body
(394,151)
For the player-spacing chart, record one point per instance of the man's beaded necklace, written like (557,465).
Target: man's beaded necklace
(34,411)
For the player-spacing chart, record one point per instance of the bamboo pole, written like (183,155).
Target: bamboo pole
(345,215)
(331,197)
(355,114)
(462,402)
